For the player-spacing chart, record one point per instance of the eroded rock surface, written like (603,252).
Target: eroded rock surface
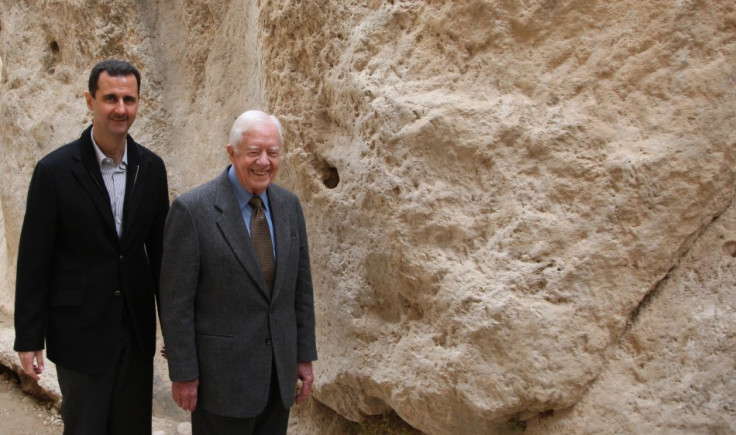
(517,210)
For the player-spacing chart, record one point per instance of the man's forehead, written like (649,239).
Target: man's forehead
(258,146)
(262,136)
(118,91)
(108,81)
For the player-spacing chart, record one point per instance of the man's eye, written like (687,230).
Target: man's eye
(252,154)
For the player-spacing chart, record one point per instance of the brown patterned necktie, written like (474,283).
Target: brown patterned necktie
(261,238)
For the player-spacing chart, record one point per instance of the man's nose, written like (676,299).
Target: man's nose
(119,106)
(263,158)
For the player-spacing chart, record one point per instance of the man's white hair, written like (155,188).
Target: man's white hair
(250,119)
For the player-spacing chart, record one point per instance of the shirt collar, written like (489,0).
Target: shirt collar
(242,195)
(101,156)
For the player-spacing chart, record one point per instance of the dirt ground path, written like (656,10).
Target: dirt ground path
(22,414)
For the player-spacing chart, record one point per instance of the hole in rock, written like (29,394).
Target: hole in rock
(52,57)
(330,177)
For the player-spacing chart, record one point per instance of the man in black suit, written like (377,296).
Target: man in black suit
(88,264)
(238,315)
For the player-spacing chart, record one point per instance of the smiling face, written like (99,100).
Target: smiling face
(256,158)
(114,107)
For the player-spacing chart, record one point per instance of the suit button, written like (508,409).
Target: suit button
(268,342)
(116,293)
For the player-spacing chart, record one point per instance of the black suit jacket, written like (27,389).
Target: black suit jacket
(75,277)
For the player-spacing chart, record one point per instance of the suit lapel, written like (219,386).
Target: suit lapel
(233,229)
(135,174)
(280,219)
(88,174)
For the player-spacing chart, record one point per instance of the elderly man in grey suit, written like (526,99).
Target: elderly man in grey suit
(239,326)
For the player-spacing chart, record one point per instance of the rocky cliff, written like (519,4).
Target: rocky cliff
(521,213)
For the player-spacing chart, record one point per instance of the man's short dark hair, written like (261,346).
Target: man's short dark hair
(114,68)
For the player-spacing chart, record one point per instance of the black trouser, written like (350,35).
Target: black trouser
(117,400)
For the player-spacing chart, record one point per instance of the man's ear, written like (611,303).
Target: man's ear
(89,98)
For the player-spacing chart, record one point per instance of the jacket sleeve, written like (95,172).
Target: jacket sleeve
(304,297)
(154,241)
(35,256)
(178,289)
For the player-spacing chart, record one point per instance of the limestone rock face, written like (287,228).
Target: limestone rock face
(672,371)
(520,213)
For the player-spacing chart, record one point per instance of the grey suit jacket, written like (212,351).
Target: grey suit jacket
(219,322)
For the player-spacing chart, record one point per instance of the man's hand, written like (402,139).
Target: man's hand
(185,394)
(31,368)
(304,371)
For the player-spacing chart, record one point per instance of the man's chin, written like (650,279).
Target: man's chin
(258,188)
(119,127)
(260,184)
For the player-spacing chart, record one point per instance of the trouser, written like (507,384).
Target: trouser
(116,401)
(274,419)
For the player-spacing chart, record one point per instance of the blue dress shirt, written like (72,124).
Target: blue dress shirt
(243,197)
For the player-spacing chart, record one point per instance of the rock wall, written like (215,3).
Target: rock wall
(520,212)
